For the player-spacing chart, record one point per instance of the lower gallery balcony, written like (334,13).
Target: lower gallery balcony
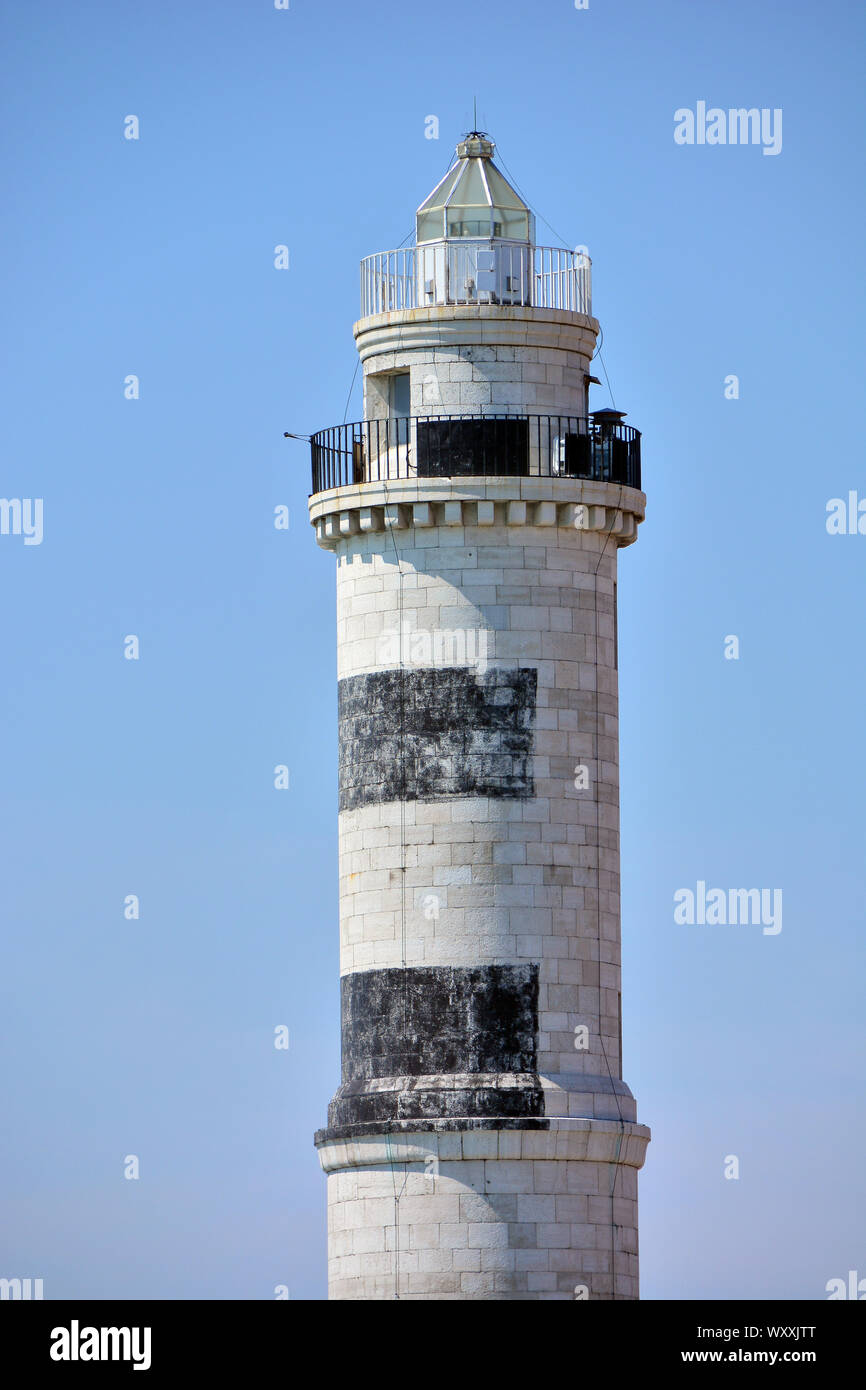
(597,447)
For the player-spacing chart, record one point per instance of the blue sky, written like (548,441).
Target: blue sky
(155,257)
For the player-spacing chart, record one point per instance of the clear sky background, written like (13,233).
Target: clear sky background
(155,777)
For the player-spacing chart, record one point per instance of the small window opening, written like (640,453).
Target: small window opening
(399,395)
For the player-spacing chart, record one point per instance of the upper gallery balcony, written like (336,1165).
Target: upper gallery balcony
(475,244)
(472,270)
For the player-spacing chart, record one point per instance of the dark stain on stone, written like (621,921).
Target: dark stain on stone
(431,733)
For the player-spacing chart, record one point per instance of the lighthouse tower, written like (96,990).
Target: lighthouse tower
(482,1143)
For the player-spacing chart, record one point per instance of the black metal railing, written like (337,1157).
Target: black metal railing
(476,446)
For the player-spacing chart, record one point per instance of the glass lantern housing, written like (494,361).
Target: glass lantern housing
(474,200)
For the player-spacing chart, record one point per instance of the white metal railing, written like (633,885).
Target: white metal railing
(476,272)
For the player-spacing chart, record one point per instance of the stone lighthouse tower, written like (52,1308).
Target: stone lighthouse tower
(482,1143)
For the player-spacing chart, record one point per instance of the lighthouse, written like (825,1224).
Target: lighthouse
(481,1143)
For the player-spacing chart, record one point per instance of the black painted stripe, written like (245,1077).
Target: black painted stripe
(438,1043)
(356,1104)
(426,734)
(436,1019)
(437,1126)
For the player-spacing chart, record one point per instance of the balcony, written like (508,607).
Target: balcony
(477,446)
(476,272)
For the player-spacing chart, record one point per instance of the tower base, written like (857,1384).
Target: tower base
(510,1213)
